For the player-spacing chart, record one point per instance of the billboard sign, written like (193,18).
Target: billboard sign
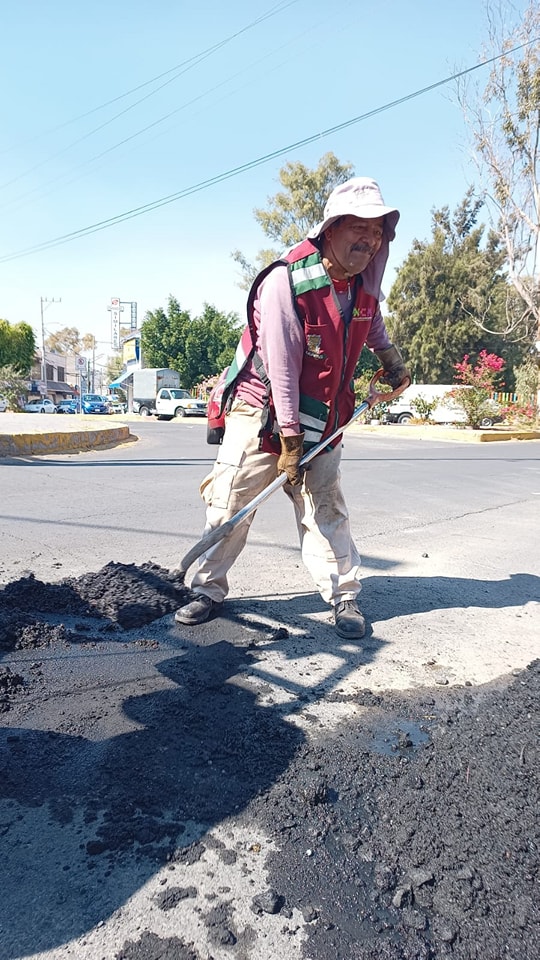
(115,309)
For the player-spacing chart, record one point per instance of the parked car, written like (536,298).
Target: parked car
(3,404)
(67,406)
(115,406)
(40,406)
(94,403)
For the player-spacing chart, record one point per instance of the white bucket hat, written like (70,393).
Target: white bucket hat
(358,197)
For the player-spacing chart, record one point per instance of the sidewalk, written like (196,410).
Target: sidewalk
(32,434)
(455,434)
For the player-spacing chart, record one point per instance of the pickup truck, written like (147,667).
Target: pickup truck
(171,403)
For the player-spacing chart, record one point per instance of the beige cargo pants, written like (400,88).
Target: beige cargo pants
(242,471)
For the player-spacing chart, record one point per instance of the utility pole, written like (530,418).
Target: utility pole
(43,364)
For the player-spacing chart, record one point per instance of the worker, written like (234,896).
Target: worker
(290,385)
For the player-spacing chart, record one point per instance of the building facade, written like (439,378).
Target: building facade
(65,376)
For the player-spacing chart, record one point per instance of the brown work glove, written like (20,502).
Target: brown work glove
(395,371)
(292,449)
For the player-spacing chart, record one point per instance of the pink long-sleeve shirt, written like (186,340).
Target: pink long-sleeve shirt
(281,345)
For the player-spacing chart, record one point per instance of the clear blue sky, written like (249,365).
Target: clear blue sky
(309,66)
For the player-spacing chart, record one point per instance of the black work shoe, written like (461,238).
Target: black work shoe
(350,623)
(197,611)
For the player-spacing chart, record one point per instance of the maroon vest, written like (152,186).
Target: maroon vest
(332,346)
(332,349)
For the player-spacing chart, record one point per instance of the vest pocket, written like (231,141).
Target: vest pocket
(313,420)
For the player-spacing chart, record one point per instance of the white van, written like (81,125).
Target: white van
(402,410)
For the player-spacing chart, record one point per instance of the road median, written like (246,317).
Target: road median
(27,435)
(455,434)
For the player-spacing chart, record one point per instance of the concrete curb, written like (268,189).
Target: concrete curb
(69,441)
(450,433)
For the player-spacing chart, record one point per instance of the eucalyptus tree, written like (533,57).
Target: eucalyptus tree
(443,287)
(503,119)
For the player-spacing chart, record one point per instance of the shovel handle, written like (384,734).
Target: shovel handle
(374,397)
(225,529)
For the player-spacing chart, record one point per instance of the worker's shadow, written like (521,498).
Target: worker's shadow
(388,597)
(85,824)
(384,597)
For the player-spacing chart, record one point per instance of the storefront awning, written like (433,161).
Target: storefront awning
(120,380)
(60,386)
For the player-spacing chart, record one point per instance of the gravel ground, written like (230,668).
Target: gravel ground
(156,804)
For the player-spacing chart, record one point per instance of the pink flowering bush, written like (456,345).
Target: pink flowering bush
(473,396)
(519,414)
(485,372)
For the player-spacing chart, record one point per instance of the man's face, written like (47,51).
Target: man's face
(353,242)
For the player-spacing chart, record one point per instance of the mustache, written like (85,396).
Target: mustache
(362,248)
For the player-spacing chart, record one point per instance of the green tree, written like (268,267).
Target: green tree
(13,386)
(250,269)
(368,363)
(163,335)
(424,407)
(197,347)
(17,346)
(293,211)
(363,376)
(441,288)
(526,380)
(210,344)
(113,368)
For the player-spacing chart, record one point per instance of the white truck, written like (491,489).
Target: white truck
(146,385)
(157,392)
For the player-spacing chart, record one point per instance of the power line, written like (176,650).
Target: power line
(250,165)
(17,202)
(179,71)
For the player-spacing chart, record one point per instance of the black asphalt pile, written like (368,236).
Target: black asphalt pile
(408,832)
(404,849)
(132,595)
(117,596)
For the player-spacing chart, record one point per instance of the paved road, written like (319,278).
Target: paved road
(449,539)
(139,501)
(439,526)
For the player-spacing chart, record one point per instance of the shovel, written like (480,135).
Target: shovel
(223,531)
